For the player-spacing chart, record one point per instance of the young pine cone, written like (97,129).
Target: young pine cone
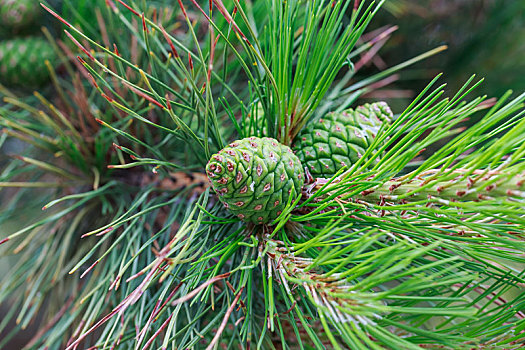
(340,139)
(255,177)
(22,61)
(18,13)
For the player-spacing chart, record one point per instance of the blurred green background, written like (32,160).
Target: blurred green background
(484,37)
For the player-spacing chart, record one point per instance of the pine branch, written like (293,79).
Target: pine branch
(416,244)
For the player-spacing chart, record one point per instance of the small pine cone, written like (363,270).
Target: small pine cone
(340,139)
(254,178)
(377,112)
(18,13)
(22,61)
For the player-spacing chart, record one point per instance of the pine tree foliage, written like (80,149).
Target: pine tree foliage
(417,244)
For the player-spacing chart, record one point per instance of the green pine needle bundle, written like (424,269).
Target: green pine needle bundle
(206,184)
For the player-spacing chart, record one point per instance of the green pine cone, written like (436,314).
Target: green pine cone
(340,139)
(254,178)
(22,61)
(18,13)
